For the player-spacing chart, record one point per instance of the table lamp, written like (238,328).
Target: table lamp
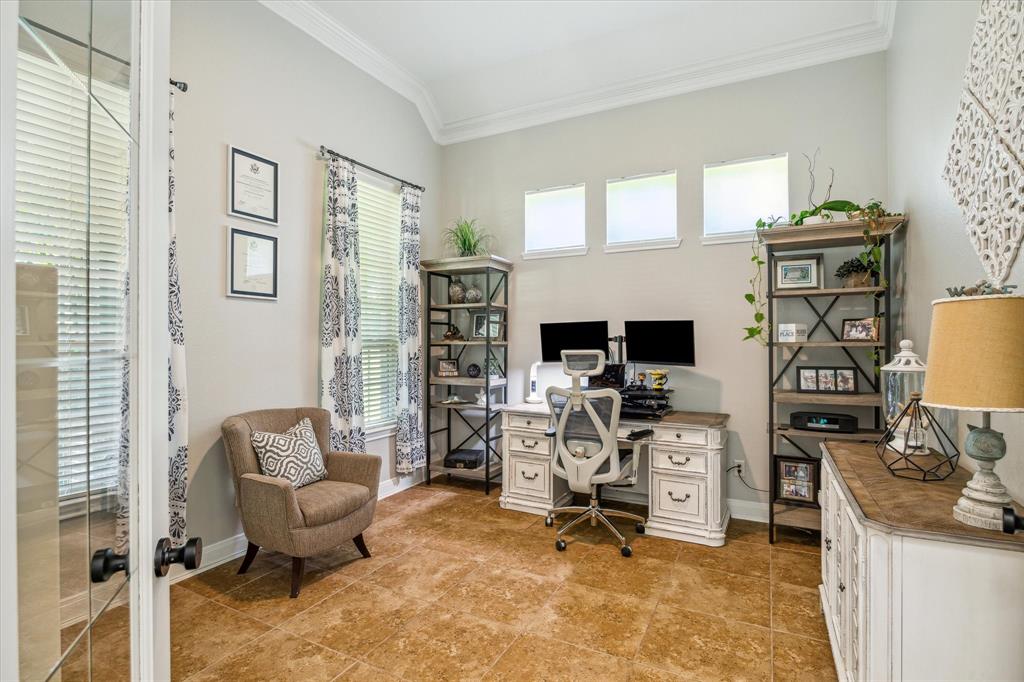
(976,364)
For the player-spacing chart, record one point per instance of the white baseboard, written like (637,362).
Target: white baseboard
(747,510)
(231,548)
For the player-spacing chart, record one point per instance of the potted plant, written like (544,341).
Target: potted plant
(466,238)
(855,273)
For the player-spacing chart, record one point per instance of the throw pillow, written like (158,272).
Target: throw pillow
(293,455)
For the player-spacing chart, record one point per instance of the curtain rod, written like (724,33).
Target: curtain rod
(181,85)
(325,152)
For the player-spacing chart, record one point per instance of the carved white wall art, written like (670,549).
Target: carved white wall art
(985,164)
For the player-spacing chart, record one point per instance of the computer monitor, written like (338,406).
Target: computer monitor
(558,336)
(663,342)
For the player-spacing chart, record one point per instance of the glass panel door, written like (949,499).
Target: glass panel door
(73,203)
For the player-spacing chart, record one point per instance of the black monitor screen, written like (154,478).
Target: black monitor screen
(558,336)
(668,342)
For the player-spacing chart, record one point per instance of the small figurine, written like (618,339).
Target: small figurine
(980,288)
(642,378)
(659,379)
(481,398)
(453,334)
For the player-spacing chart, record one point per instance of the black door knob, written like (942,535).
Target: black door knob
(105,564)
(190,555)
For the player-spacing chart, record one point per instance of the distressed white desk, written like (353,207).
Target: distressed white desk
(684,486)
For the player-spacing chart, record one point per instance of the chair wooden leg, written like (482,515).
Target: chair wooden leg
(361,546)
(298,568)
(250,555)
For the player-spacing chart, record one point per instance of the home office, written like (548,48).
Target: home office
(351,340)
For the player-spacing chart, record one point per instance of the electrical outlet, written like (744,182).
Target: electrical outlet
(738,463)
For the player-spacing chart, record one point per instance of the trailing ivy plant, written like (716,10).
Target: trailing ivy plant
(756,296)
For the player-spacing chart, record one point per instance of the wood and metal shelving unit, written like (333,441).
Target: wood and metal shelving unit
(482,422)
(783,356)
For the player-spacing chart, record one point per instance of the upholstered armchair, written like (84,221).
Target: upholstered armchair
(316,517)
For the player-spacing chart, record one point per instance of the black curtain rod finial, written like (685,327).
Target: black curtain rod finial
(181,85)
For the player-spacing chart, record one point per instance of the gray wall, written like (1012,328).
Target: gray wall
(925,66)
(259,83)
(839,107)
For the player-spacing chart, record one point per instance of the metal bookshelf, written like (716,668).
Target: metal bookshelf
(491,275)
(782,356)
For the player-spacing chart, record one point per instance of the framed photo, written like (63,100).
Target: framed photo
(826,380)
(796,480)
(252,264)
(483,330)
(252,186)
(447,368)
(807,379)
(801,271)
(861,329)
(846,380)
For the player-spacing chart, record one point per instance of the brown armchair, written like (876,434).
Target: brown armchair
(308,521)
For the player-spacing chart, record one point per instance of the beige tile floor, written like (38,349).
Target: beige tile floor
(459,589)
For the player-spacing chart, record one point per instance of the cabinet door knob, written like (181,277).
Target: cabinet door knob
(529,422)
(672,497)
(678,435)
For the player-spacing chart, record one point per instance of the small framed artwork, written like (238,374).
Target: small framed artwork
(483,330)
(846,380)
(801,271)
(807,379)
(447,368)
(252,264)
(252,186)
(862,329)
(796,480)
(826,380)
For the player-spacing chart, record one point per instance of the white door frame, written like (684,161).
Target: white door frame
(150,596)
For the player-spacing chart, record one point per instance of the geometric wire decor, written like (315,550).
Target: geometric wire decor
(903,448)
(985,163)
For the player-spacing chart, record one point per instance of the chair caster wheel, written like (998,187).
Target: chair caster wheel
(549,522)
(640,529)
(560,545)
(627,551)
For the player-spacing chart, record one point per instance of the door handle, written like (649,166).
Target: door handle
(190,555)
(106,563)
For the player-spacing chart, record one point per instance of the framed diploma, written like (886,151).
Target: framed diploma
(252,186)
(252,264)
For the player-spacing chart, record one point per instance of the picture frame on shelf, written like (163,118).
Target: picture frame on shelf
(801,271)
(826,379)
(796,480)
(447,368)
(483,330)
(252,265)
(807,379)
(253,183)
(862,328)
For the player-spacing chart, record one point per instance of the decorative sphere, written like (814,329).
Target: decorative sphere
(985,444)
(473,370)
(473,295)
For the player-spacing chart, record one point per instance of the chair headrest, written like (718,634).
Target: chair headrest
(583,363)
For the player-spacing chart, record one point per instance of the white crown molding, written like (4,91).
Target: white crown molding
(305,15)
(865,38)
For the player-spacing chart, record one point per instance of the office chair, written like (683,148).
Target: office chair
(586,450)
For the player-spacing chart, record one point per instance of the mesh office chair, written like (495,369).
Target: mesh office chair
(586,450)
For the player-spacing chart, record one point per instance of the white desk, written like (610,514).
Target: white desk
(685,480)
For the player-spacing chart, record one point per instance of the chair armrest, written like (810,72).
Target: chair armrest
(551,432)
(637,435)
(268,505)
(354,467)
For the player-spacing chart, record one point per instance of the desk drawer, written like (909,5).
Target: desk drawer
(681,435)
(689,461)
(530,477)
(533,421)
(678,497)
(529,443)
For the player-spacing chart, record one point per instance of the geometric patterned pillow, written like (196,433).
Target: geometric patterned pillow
(293,455)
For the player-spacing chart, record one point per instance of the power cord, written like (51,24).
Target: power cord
(739,474)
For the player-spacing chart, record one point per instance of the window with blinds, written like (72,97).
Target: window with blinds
(379,207)
(71,214)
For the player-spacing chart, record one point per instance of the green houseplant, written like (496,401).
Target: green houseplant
(466,238)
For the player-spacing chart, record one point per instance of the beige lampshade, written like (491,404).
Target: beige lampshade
(976,354)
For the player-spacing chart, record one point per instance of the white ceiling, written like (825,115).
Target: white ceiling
(476,68)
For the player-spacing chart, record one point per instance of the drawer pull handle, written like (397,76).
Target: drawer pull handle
(529,422)
(530,446)
(672,497)
(530,478)
(842,587)
(683,463)
(678,435)
(828,544)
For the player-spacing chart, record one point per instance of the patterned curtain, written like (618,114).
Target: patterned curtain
(341,364)
(410,451)
(177,384)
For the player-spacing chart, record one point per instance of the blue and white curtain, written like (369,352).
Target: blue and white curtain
(341,363)
(177,384)
(410,451)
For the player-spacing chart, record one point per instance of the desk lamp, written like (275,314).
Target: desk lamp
(976,364)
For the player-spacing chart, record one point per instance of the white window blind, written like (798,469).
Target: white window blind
(737,193)
(379,207)
(642,209)
(77,222)
(555,219)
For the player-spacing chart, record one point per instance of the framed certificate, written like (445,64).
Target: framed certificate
(252,186)
(252,264)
